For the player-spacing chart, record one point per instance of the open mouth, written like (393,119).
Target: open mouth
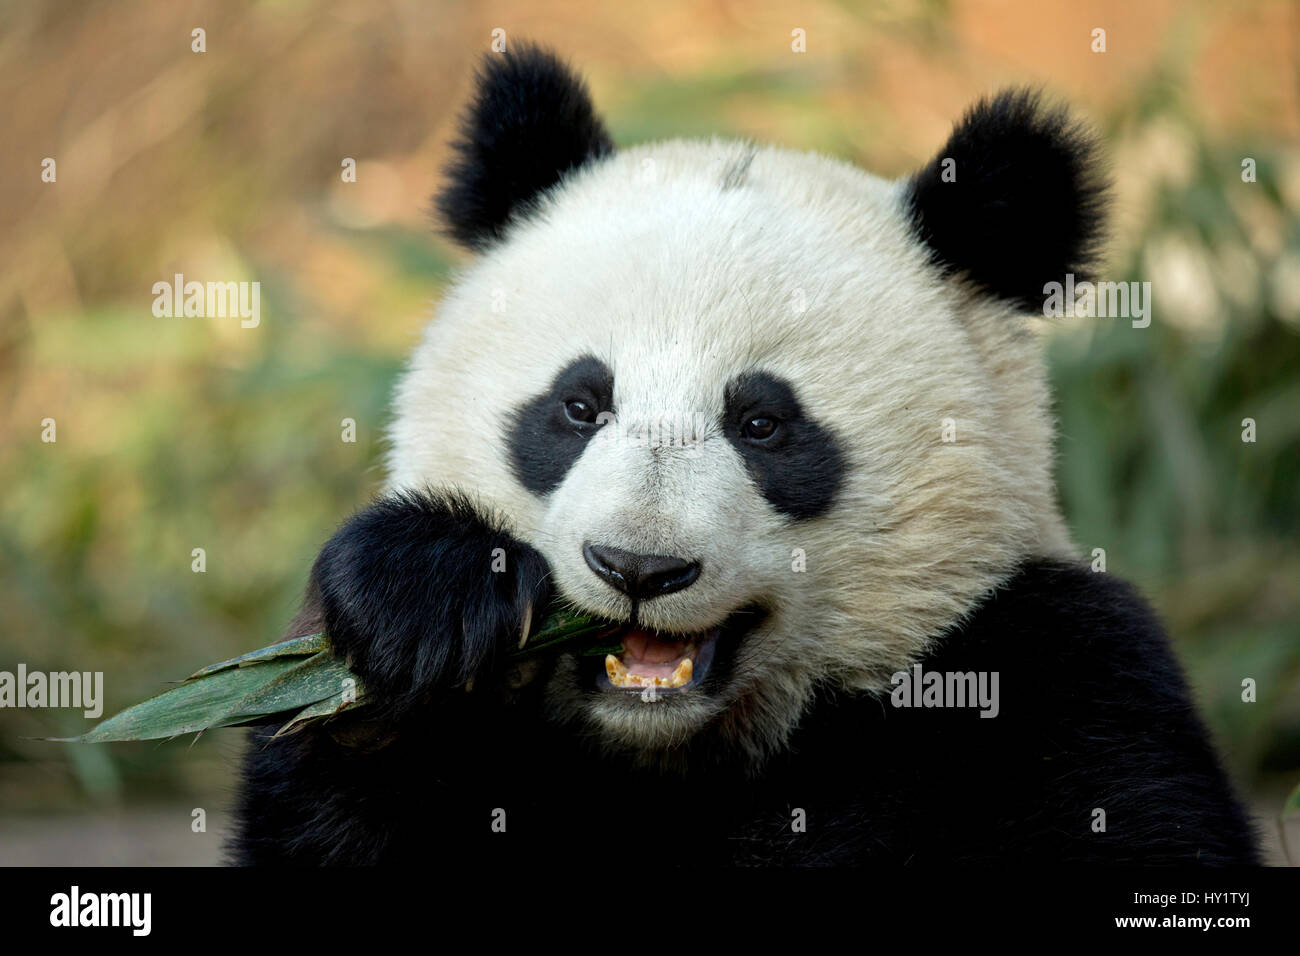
(670,663)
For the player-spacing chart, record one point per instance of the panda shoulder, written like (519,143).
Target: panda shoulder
(1066,626)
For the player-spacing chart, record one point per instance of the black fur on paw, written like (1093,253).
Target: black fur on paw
(410,597)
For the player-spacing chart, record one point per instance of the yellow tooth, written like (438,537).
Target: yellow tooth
(620,676)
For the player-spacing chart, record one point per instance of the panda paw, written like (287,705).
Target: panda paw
(421,592)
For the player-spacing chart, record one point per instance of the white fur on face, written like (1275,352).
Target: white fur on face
(802,267)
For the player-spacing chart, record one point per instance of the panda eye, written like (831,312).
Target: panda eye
(580,412)
(759,428)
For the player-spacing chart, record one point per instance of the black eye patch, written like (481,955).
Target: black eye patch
(544,441)
(798,466)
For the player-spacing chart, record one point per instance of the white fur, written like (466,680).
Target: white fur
(677,283)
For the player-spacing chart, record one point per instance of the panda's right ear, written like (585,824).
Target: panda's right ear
(531,121)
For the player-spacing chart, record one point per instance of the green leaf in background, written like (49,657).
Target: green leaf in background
(1291,809)
(1290,820)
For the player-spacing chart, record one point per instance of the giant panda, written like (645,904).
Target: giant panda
(786,425)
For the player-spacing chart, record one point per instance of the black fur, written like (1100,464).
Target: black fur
(408,593)
(1028,202)
(531,121)
(1094,713)
(800,467)
(543,442)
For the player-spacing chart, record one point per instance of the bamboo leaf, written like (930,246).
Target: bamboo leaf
(315,679)
(188,707)
(322,708)
(304,646)
(299,679)
(564,628)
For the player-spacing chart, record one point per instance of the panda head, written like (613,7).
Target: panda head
(784,418)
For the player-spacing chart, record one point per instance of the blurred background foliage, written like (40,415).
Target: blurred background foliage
(175,434)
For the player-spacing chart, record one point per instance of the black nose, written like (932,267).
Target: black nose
(640,576)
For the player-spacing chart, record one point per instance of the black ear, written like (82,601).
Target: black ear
(1023,204)
(530,122)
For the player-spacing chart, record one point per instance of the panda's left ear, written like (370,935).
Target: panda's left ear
(530,122)
(1014,200)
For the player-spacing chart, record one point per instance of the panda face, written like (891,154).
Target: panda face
(744,408)
(751,381)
